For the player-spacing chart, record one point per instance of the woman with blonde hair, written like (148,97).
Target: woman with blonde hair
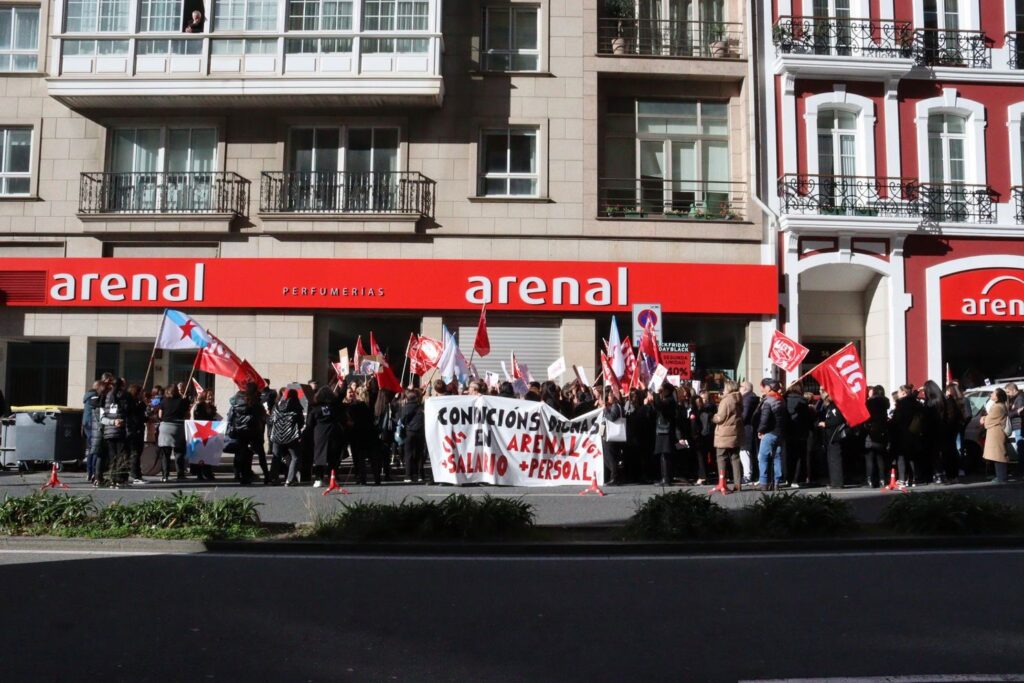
(994,422)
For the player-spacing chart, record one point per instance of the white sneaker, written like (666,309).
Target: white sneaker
(317,484)
(138,482)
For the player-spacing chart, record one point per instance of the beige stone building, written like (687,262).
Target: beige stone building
(319,169)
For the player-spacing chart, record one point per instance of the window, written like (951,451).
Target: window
(325,46)
(942,14)
(162,169)
(19,38)
(246,15)
(837,157)
(511,39)
(319,15)
(97,16)
(159,15)
(243,46)
(169,46)
(15,161)
(668,156)
(91,48)
(395,15)
(832,27)
(508,163)
(679,27)
(391,45)
(946,145)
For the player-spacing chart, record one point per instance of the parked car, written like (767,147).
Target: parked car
(976,398)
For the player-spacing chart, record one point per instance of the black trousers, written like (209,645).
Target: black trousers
(665,460)
(412,452)
(242,462)
(906,465)
(612,453)
(180,465)
(135,445)
(796,457)
(834,452)
(876,463)
(117,457)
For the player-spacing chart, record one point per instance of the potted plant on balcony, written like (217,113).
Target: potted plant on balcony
(718,44)
(619,9)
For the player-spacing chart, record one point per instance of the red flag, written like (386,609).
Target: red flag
(385,376)
(482,344)
(634,377)
(374,349)
(630,361)
(247,373)
(649,343)
(198,387)
(218,359)
(428,353)
(842,376)
(357,355)
(949,375)
(516,372)
(787,353)
(609,375)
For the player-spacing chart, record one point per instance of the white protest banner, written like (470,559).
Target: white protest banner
(343,364)
(674,380)
(493,379)
(204,441)
(581,375)
(658,378)
(556,369)
(493,440)
(508,377)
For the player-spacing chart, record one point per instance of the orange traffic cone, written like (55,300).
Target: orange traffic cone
(333,486)
(721,487)
(593,488)
(54,481)
(893,484)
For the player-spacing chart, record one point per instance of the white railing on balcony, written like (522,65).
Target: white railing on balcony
(229,55)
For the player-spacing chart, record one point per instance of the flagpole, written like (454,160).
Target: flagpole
(811,371)
(405,361)
(152,354)
(188,384)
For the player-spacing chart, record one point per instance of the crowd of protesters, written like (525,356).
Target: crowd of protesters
(762,438)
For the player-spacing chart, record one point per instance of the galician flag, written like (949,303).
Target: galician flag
(179,331)
(616,358)
(452,363)
(204,441)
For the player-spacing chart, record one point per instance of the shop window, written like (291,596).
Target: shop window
(15,161)
(508,163)
(97,16)
(319,15)
(246,15)
(19,38)
(511,38)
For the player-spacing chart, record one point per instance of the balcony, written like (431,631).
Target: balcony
(1018,204)
(152,194)
(1015,50)
(656,199)
(957,203)
(954,48)
(343,194)
(821,46)
(242,69)
(830,195)
(664,38)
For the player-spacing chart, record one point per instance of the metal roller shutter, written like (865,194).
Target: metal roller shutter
(538,343)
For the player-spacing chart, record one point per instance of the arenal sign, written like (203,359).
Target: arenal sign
(379,284)
(987,295)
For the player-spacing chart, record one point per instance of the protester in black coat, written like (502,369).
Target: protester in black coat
(245,426)
(796,452)
(639,436)
(934,430)
(135,431)
(907,426)
(665,430)
(748,442)
(115,409)
(612,412)
(286,424)
(325,423)
(835,433)
(363,438)
(415,445)
(877,460)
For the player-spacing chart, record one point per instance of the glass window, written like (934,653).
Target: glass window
(160,15)
(243,46)
(511,39)
(162,170)
(395,15)
(298,46)
(19,38)
(96,16)
(246,15)
(15,161)
(391,45)
(320,15)
(91,48)
(170,46)
(508,163)
(946,148)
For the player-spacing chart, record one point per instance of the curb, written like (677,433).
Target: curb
(93,545)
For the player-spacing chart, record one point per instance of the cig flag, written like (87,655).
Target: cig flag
(787,353)
(842,376)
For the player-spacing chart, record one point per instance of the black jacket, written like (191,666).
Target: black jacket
(412,417)
(834,425)
(326,424)
(135,418)
(878,424)
(748,404)
(908,425)
(115,409)
(800,418)
(773,416)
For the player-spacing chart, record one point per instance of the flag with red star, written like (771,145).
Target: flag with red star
(180,331)
(204,441)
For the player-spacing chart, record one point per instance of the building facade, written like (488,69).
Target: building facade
(897,171)
(295,174)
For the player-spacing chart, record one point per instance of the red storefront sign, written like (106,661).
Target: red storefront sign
(987,295)
(398,284)
(678,363)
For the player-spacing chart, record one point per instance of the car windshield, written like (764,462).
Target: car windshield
(977,402)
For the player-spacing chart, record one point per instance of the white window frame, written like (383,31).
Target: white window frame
(1014,121)
(508,176)
(975,172)
(353,16)
(512,51)
(968,12)
(279,13)
(343,132)
(15,52)
(16,175)
(164,138)
(862,107)
(945,138)
(129,18)
(394,16)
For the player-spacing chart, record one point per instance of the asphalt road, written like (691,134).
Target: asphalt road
(554,506)
(725,618)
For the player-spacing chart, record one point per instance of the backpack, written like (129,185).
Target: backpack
(285,428)
(240,423)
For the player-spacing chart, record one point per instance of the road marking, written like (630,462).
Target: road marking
(954,678)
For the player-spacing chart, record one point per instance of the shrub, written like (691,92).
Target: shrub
(45,510)
(950,514)
(679,515)
(456,516)
(781,515)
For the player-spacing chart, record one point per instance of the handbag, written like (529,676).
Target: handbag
(615,430)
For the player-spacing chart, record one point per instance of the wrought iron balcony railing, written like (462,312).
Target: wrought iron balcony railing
(665,38)
(843,37)
(677,199)
(832,195)
(1018,204)
(957,203)
(1015,50)
(941,47)
(341,192)
(217,192)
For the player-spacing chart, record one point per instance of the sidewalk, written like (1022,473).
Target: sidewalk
(559,506)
